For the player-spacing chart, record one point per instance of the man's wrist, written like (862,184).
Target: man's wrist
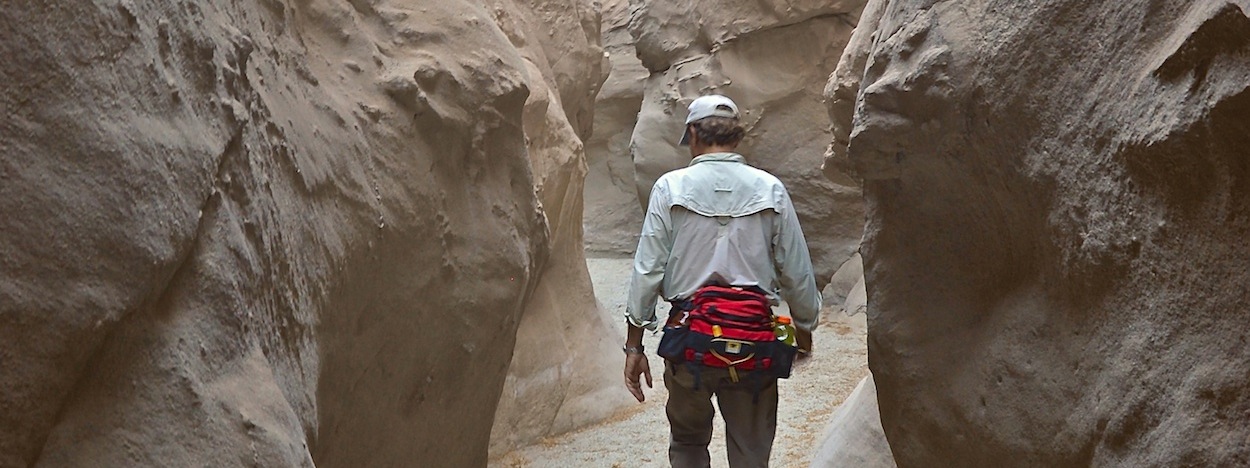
(633,339)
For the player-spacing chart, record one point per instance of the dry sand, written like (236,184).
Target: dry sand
(638,436)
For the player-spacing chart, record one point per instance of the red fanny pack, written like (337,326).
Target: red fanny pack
(729,328)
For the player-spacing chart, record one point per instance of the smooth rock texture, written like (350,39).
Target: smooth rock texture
(566,368)
(1058,198)
(773,58)
(854,437)
(846,282)
(282,233)
(613,216)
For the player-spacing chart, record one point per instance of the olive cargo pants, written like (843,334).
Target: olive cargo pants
(749,423)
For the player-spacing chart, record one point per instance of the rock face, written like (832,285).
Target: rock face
(613,215)
(773,59)
(566,370)
(1058,196)
(279,233)
(854,437)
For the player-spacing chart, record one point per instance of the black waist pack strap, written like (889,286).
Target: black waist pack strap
(696,368)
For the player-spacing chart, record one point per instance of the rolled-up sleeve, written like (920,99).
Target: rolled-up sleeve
(794,268)
(650,260)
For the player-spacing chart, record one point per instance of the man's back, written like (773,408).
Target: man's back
(722,221)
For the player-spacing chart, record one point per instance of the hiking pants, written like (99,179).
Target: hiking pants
(749,423)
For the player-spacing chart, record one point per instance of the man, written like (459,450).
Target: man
(718,221)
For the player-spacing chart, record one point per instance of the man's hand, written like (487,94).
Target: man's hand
(636,366)
(803,339)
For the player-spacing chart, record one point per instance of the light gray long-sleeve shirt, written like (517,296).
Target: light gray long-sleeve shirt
(721,220)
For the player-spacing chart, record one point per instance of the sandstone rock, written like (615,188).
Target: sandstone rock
(842,91)
(1055,250)
(846,281)
(854,437)
(857,300)
(278,233)
(613,215)
(772,58)
(566,369)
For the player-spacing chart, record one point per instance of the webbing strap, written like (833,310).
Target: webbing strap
(729,362)
(733,371)
(696,368)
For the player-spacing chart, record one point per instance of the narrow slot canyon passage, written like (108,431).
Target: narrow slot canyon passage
(636,123)
(398,233)
(777,74)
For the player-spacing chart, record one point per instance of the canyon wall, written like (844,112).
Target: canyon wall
(1058,201)
(566,371)
(613,214)
(280,232)
(773,59)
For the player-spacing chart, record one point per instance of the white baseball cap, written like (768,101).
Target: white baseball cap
(713,105)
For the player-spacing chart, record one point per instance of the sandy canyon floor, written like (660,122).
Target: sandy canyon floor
(638,436)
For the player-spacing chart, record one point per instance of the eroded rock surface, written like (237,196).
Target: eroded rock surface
(279,233)
(1058,195)
(613,215)
(566,370)
(773,59)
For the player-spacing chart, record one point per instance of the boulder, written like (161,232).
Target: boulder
(847,281)
(854,437)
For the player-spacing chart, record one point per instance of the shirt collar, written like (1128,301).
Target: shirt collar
(729,157)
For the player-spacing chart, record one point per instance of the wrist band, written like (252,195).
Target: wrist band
(632,349)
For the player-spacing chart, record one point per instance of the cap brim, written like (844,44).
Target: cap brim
(685,137)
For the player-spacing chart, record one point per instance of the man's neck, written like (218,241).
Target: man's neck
(702,150)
